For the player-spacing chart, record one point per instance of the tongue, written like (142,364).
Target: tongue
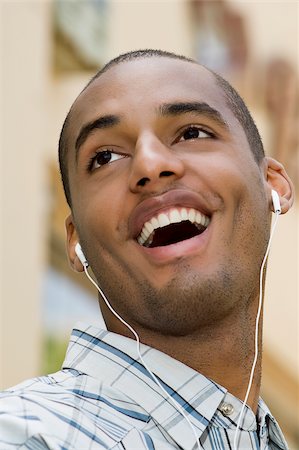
(173,233)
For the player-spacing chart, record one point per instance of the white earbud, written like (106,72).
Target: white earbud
(80,254)
(276,202)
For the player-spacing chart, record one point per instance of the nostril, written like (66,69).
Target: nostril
(143,181)
(166,173)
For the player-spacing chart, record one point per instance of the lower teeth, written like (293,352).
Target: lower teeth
(149,241)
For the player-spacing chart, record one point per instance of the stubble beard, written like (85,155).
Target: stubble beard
(188,303)
(193,299)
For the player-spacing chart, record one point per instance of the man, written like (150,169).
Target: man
(170,197)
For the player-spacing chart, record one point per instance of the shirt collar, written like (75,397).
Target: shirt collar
(269,426)
(113,359)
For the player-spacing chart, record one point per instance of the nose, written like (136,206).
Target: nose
(154,165)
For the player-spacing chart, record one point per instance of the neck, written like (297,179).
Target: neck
(223,352)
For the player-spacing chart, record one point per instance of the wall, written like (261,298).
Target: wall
(34,103)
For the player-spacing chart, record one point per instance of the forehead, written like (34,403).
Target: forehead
(152,73)
(147,79)
(137,87)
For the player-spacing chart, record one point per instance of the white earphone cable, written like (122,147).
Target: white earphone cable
(173,401)
(256,352)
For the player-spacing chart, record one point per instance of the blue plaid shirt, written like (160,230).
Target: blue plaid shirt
(103,398)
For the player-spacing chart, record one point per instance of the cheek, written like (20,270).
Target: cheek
(219,176)
(229,172)
(101,209)
(236,190)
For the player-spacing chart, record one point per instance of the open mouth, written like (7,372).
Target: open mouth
(173,226)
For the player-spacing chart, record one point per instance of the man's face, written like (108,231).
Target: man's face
(168,201)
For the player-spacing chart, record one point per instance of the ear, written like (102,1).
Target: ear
(72,239)
(278,179)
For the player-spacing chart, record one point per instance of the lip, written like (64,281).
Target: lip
(171,199)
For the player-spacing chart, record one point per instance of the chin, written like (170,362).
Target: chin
(188,303)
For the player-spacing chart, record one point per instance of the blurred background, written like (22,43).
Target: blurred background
(49,50)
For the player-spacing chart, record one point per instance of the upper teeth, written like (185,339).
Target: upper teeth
(174,215)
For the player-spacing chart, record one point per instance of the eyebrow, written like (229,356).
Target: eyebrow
(167,109)
(97,124)
(200,108)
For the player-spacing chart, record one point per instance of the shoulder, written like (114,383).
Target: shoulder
(28,412)
(34,398)
(64,410)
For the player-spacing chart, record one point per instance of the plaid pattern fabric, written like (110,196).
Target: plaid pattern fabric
(104,398)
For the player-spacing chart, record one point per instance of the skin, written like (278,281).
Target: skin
(199,305)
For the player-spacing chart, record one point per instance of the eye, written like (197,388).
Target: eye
(103,157)
(193,132)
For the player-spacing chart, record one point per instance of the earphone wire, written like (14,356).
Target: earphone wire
(256,352)
(172,400)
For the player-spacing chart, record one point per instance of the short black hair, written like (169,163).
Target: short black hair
(234,102)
